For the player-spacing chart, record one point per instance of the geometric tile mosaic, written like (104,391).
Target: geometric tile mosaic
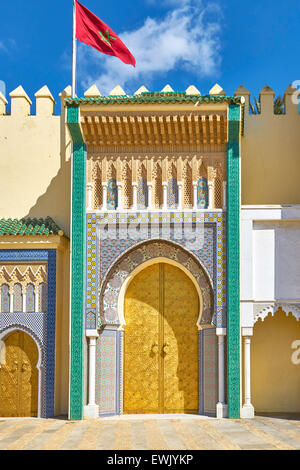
(40,325)
(104,252)
(108,372)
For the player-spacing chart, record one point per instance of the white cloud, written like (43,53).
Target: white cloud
(185,39)
(7,45)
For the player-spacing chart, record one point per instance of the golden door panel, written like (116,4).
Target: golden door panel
(180,332)
(141,359)
(161,342)
(19,377)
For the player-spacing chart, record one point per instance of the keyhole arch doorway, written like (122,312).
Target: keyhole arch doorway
(20,374)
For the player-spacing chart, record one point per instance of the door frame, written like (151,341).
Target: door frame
(11,330)
(121,311)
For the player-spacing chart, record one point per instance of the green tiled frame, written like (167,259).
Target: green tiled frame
(78,264)
(233,261)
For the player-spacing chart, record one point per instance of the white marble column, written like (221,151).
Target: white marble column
(149,196)
(210,195)
(224,195)
(91,410)
(134,195)
(248,409)
(180,196)
(165,195)
(221,405)
(120,205)
(195,186)
(104,197)
(89,196)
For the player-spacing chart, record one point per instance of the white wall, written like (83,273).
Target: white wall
(270,257)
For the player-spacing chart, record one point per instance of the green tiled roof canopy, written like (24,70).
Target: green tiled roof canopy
(28,226)
(155,97)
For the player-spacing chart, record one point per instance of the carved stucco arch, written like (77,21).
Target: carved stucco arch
(111,312)
(265,311)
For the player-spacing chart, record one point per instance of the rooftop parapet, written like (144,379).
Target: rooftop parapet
(20,102)
(266,98)
(242,91)
(3,103)
(291,100)
(44,102)
(217,90)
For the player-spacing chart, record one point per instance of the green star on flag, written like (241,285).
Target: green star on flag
(106,37)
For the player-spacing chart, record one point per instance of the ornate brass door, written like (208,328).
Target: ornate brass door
(161,342)
(19,377)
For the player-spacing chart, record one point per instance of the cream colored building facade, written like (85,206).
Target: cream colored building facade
(168,145)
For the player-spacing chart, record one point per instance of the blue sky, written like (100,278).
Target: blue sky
(180,42)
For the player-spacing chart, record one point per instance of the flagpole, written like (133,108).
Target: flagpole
(74,52)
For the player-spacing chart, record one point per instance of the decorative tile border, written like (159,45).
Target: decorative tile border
(103,254)
(210,371)
(77,263)
(146,251)
(42,326)
(233,261)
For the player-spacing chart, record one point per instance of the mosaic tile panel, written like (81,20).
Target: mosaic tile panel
(30,298)
(43,297)
(201,371)
(202,193)
(172,193)
(40,325)
(18,298)
(233,257)
(91,320)
(210,371)
(142,193)
(112,194)
(146,251)
(107,371)
(5,299)
(103,253)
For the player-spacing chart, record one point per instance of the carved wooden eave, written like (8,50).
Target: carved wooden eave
(148,129)
(154,121)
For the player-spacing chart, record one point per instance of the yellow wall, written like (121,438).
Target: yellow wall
(275,379)
(271,156)
(34,165)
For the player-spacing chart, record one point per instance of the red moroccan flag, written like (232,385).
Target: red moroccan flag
(94,32)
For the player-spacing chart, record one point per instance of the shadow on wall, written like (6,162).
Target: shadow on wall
(56,201)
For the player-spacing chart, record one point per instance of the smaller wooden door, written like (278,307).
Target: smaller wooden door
(19,377)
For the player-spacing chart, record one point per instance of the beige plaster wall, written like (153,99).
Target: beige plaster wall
(35,156)
(271,155)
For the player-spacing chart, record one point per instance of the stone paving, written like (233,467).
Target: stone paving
(150,433)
